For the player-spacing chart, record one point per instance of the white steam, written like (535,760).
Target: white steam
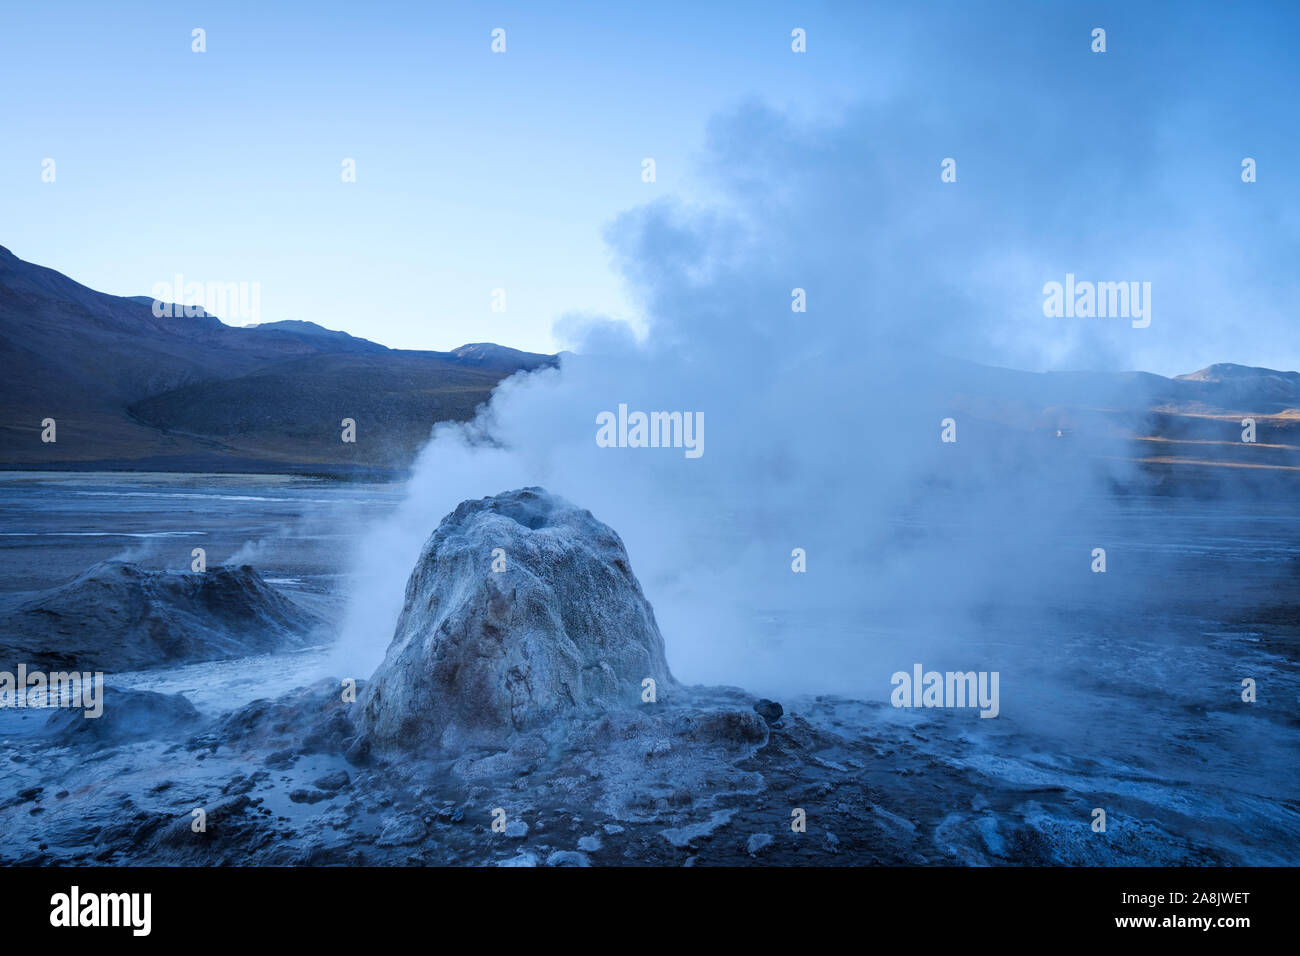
(822,429)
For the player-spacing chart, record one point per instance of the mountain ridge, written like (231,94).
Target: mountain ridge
(132,390)
(125,385)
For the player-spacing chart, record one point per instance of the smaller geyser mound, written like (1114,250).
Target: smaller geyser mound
(559,626)
(119,616)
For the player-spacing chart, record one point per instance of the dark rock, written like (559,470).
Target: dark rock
(311,718)
(358,751)
(128,715)
(281,759)
(769,710)
(329,734)
(567,858)
(402,831)
(238,784)
(120,616)
(131,832)
(307,796)
(333,781)
(729,728)
(228,808)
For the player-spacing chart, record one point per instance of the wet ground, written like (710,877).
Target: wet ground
(1130,703)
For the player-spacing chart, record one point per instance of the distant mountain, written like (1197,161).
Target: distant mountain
(488,356)
(1181,431)
(128,389)
(320,337)
(1228,372)
(134,391)
(1242,386)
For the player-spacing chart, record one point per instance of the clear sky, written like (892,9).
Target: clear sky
(478,171)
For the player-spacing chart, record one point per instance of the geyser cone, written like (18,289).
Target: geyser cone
(521,609)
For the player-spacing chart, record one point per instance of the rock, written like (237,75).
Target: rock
(402,830)
(333,781)
(304,720)
(281,759)
(758,842)
(128,715)
(223,820)
(685,835)
(567,858)
(307,796)
(769,710)
(516,829)
(523,859)
(119,616)
(729,728)
(357,751)
(589,844)
(328,735)
(238,784)
(479,655)
(335,819)
(504,764)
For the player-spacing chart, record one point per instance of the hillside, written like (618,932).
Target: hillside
(130,390)
(133,391)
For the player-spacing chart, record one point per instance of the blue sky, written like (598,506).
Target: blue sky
(479,171)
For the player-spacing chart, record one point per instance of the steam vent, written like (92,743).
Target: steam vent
(481,653)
